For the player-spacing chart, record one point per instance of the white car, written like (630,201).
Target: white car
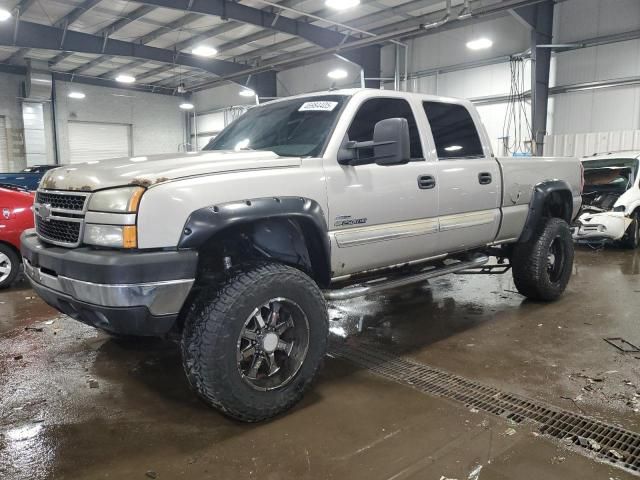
(611,200)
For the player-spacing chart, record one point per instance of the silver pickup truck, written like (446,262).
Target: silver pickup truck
(327,196)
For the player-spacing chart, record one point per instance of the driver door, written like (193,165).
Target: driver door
(381,215)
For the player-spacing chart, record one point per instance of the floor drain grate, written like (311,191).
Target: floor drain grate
(613,444)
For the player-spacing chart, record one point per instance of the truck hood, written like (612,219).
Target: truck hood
(154,169)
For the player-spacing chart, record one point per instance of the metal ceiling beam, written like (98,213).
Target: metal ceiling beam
(34,35)
(71,17)
(110,29)
(254,16)
(361,22)
(67,77)
(399,30)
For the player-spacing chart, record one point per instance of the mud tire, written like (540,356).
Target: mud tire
(212,328)
(533,274)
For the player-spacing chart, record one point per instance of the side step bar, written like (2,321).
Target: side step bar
(376,286)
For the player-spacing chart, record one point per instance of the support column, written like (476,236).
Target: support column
(539,17)
(264,84)
(369,59)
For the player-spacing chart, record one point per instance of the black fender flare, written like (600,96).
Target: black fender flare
(541,193)
(206,222)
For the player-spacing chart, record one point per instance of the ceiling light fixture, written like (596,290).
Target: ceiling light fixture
(4,15)
(479,44)
(187,106)
(76,95)
(204,51)
(342,4)
(338,74)
(125,79)
(247,92)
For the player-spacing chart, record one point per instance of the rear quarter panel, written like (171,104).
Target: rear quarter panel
(520,177)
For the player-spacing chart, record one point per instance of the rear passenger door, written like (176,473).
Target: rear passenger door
(469,179)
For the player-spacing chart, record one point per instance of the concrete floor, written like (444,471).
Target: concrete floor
(77,404)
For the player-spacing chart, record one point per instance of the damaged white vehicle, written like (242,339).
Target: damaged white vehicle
(611,200)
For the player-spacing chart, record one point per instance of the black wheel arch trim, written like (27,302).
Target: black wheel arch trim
(541,193)
(206,222)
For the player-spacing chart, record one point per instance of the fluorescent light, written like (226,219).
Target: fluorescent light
(479,44)
(204,51)
(4,15)
(76,95)
(247,92)
(342,4)
(125,79)
(338,74)
(187,106)
(453,148)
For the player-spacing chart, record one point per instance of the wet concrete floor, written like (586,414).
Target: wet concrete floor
(78,404)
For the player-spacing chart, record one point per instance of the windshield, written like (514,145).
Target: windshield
(293,128)
(610,174)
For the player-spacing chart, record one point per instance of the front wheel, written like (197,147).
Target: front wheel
(252,346)
(542,266)
(9,266)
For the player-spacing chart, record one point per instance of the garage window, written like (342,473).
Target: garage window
(378,109)
(90,141)
(454,131)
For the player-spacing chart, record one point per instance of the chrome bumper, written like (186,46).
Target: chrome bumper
(160,298)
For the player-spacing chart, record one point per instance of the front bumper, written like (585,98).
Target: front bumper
(130,293)
(604,226)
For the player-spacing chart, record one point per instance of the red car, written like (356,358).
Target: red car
(16,217)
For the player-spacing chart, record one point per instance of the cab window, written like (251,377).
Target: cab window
(454,131)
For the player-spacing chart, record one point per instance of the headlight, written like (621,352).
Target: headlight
(116,200)
(116,205)
(111,235)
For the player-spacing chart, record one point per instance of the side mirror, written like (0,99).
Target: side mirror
(391,142)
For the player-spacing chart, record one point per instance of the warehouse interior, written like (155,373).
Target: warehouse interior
(458,377)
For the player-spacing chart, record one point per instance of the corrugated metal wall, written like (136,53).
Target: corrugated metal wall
(582,144)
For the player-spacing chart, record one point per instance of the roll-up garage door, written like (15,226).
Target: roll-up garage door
(98,141)
(4,146)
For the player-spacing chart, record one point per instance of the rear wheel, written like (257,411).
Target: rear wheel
(253,345)
(542,266)
(9,266)
(631,238)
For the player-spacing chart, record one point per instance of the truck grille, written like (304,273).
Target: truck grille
(62,201)
(59,231)
(59,217)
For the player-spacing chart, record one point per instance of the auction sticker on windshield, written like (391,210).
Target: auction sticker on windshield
(318,107)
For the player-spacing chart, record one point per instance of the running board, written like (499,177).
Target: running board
(376,286)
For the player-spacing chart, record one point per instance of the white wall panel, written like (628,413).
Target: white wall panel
(449,47)
(582,144)
(313,78)
(157,124)
(580,19)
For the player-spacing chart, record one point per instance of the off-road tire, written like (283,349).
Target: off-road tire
(14,262)
(212,327)
(531,262)
(631,239)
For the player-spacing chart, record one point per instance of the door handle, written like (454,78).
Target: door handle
(426,182)
(485,178)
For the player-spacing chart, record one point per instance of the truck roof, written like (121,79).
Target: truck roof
(375,92)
